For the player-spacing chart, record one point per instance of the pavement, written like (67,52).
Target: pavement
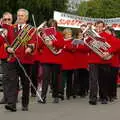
(73,109)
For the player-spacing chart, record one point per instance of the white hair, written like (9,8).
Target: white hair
(7,13)
(23,10)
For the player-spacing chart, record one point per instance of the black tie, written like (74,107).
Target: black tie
(20,27)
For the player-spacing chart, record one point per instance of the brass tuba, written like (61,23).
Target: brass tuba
(96,42)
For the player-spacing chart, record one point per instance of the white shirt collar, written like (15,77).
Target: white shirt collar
(22,25)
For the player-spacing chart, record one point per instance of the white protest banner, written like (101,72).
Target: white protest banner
(74,21)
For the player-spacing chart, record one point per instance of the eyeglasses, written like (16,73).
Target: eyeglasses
(6,19)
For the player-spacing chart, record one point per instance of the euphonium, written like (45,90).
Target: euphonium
(96,43)
(48,34)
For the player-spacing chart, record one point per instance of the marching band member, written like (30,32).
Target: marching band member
(23,53)
(71,49)
(68,63)
(10,77)
(81,79)
(34,74)
(112,85)
(99,68)
(51,64)
(6,19)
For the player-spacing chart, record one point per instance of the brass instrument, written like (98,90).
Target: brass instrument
(3,32)
(42,25)
(46,35)
(96,43)
(23,37)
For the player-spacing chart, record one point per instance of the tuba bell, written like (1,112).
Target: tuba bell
(96,43)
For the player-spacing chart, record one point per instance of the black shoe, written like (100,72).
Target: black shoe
(11,107)
(2,101)
(104,101)
(68,97)
(82,94)
(74,96)
(43,101)
(115,97)
(33,95)
(61,97)
(25,108)
(91,102)
(110,99)
(56,100)
(99,99)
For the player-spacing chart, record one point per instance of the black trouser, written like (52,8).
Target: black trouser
(34,73)
(48,70)
(69,81)
(112,87)
(25,83)
(10,82)
(99,77)
(81,81)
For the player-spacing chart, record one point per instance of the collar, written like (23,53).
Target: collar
(22,25)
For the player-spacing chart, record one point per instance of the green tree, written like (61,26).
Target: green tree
(99,8)
(42,9)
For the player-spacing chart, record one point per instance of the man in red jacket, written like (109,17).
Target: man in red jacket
(23,53)
(10,77)
(99,68)
(6,19)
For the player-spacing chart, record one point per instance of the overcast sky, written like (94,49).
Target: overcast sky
(77,1)
(72,4)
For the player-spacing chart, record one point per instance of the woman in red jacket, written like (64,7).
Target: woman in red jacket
(51,64)
(81,79)
(68,62)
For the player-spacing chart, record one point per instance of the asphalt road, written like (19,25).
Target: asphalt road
(74,109)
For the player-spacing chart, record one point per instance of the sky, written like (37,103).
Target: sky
(72,4)
(77,1)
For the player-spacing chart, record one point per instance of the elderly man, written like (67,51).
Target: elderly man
(23,53)
(6,19)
